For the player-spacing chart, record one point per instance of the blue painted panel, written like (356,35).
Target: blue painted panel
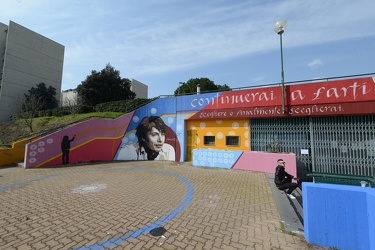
(371,211)
(215,157)
(338,215)
(156,108)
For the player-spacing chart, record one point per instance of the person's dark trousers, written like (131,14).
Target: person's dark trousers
(287,184)
(65,157)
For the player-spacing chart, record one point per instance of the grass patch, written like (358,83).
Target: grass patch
(14,130)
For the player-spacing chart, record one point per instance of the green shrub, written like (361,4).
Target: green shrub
(84,109)
(123,106)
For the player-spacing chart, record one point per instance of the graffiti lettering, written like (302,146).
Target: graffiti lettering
(273,111)
(203,101)
(234,98)
(5,153)
(102,128)
(315,109)
(319,93)
(259,111)
(246,98)
(297,94)
(212,114)
(352,90)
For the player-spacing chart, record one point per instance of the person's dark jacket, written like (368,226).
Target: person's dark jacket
(65,144)
(280,175)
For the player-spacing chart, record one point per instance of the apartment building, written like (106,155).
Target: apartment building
(26,59)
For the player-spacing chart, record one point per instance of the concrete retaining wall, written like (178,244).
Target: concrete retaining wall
(16,153)
(339,216)
(244,160)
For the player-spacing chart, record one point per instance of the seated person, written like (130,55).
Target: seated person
(283,180)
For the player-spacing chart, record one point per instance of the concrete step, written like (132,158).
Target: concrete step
(291,210)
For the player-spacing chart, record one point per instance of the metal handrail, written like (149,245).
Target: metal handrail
(369,179)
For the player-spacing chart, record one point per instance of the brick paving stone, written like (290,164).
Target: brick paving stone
(230,209)
(24,247)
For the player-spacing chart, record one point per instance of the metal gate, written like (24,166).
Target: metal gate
(284,135)
(342,145)
(345,145)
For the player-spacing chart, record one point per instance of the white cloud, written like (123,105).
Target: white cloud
(315,63)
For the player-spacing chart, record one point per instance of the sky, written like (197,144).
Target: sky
(164,42)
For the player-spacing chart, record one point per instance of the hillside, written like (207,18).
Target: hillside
(14,130)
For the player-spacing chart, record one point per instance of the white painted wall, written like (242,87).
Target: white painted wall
(69,98)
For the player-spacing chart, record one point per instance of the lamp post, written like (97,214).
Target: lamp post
(279,28)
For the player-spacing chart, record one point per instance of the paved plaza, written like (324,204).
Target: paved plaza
(140,205)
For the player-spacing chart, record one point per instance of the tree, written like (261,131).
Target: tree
(29,107)
(205,84)
(38,98)
(45,96)
(104,86)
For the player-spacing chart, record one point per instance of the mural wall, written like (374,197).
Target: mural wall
(243,160)
(170,128)
(92,140)
(153,132)
(341,97)
(220,129)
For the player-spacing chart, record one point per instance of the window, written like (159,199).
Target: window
(232,141)
(209,140)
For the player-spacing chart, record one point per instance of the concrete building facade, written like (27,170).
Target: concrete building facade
(69,98)
(140,89)
(26,59)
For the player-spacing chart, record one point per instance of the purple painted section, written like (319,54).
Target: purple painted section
(266,162)
(47,148)
(339,216)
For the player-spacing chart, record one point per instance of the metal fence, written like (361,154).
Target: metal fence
(337,147)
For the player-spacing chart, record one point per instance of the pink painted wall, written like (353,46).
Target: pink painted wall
(96,140)
(266,162)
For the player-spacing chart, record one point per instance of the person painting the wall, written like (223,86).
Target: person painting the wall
(283,180)
(151,142)
(65,148)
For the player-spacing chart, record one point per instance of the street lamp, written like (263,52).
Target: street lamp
(279,28)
